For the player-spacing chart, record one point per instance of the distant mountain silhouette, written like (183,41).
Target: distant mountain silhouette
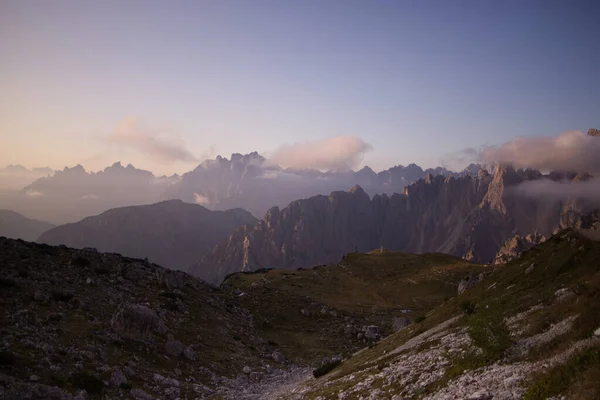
(244,181)
(171,233)
(14,225)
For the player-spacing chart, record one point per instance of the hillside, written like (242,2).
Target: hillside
(323,311)
(530,330)
(16,226)
(171,233)
(115,326)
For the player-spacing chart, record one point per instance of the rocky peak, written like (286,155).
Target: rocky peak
(594,132)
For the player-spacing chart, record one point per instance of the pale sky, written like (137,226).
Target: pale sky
(165,84)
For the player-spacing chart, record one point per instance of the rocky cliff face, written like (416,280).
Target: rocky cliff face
(469,216)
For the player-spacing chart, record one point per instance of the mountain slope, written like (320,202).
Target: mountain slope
(316,313)
(468,217)
(171,233)
(14,225)
(530,330)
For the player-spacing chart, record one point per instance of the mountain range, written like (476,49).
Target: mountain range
(246,181)
(468,216)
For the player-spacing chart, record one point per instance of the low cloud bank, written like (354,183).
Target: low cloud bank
(570,151)
(547,189)
(133,134)
(338,153)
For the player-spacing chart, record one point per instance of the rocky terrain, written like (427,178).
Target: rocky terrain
(469,216)
(78,323)
(529,330)
(170,233)
(16,226)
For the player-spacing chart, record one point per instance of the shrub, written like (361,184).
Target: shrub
(87,382)
(7,282)
(62,296)
(490,333)
(7,358)
(125,386)
(237,338)
(326,367)
(80,261)
(467,307)
(420,319)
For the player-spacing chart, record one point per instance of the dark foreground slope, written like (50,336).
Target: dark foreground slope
(75,320)
(171,233)
(15,225)
(114,326)
(530,330)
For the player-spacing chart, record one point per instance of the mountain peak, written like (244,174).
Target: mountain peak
(593,132)
(356,189)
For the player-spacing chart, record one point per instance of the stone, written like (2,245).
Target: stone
(137,321)
(89,281)
(255,377)
(278,357)
(139,394)
(129,371)
(117,378)
(399,323)
(371,332)
(174,348)
(597,332)
(530,269)
(480,395)
(189,354)
(34,378)
(41,296)
(247,369)
(468,282)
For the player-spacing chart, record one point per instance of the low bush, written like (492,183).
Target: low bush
(326,367)
(87,382)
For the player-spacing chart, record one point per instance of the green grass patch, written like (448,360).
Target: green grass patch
(562,377)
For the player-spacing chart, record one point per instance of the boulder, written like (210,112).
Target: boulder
(469,281)
(399,323)
(189,354)
(278,357)
(117,378)
(255,377)
(371,333)
(174,348)
(137,321)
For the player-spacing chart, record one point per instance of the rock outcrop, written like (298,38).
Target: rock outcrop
(514,247)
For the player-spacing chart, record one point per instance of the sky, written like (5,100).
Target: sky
(166,84)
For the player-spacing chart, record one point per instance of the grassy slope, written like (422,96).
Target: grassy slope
(567,260)
(364,289)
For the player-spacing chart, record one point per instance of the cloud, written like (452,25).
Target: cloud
(570,151)
(133,134)
(551,190)
(335,154)
(202,200)
(34,193)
